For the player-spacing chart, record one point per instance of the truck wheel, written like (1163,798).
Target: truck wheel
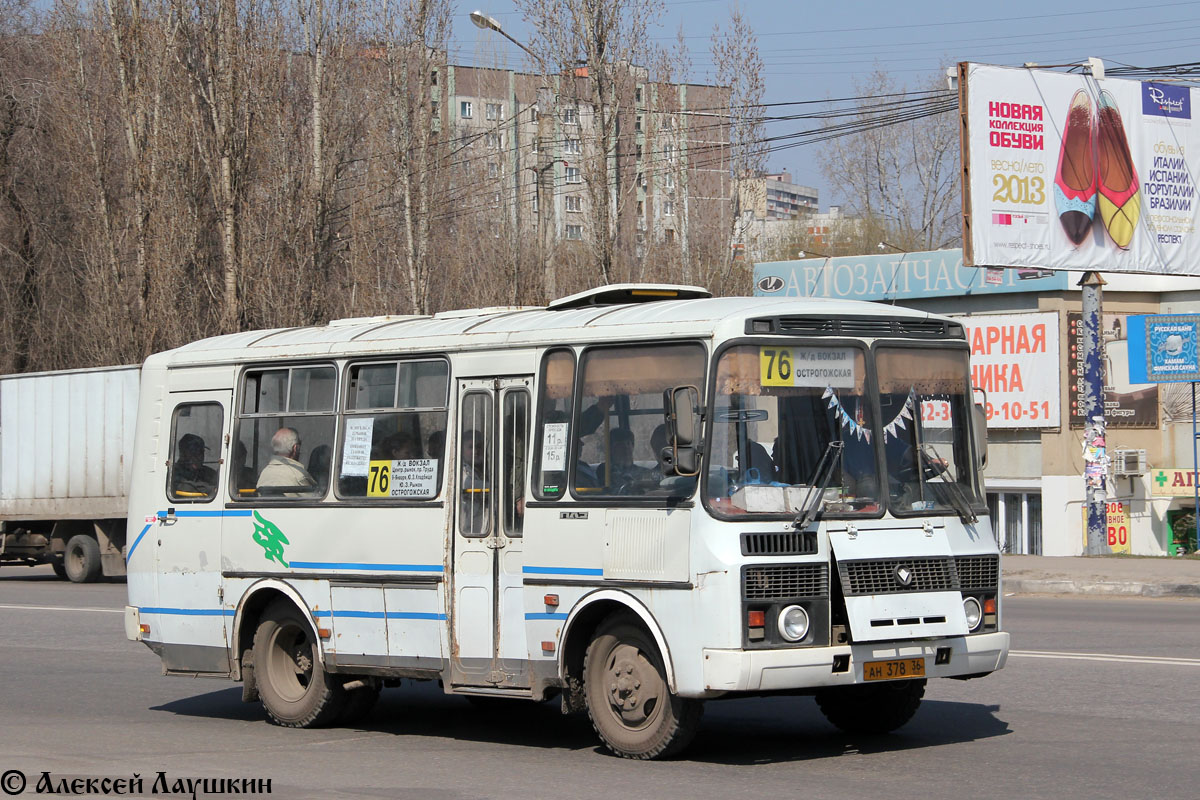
(295,688)
(628,700)
(81,560)
(871,708)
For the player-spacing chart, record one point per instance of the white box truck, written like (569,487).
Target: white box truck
(65,460)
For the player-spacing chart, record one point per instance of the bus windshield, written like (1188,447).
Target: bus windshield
(792,425)
(925,402)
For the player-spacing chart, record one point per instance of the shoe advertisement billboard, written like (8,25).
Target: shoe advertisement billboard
(1077,172)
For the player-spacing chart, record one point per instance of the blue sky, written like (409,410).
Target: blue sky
(816,50)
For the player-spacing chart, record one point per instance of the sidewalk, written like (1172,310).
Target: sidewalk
(1143,576)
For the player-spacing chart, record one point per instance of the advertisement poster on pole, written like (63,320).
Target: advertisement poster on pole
(1077,171)
(1126,404)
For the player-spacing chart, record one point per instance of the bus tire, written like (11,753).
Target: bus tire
(628,699)
(81,559)
(292,682)
(871,708)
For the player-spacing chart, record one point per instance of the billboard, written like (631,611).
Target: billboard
(1078,172)
(1014,360)
(1163,348)
(1126,404)
(896,276)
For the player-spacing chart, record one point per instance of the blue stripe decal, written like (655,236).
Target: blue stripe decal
(545,616)
(561,571)
(234,512)
(191,612)
(377,567)
(137,541)
(384,615)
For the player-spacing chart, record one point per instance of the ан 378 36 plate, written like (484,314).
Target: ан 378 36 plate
(894,669)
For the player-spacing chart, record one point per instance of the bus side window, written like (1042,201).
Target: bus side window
(285,433)
(516,437)
(475,465)
(551,454)
(195,452)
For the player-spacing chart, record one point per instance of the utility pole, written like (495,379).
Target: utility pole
(1095,450)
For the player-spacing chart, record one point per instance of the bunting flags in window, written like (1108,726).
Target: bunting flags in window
(906,412)
(843,417)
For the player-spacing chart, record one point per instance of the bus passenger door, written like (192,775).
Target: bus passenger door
(488,630)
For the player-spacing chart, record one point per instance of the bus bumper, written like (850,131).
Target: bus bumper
(804,668)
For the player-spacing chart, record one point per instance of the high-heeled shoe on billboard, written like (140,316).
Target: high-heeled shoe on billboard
(1075,180)
(1120,200)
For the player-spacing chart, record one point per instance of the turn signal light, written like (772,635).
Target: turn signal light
(551,600)
(756,619)
(324,633)
(144,628)
(989,606)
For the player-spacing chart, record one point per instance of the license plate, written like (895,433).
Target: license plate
(895,669)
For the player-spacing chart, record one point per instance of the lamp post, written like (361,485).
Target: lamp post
(484,22)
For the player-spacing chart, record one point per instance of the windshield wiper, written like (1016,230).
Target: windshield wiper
(816,494)
(954,492)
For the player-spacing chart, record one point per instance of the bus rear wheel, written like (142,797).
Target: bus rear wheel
(293,684)
(628,699)
(871,708)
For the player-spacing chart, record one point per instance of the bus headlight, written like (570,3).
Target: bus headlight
(974,613)
(793,623)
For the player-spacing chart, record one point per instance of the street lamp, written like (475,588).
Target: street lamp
(484,22)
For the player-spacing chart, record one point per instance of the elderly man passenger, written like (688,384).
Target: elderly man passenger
(284,470)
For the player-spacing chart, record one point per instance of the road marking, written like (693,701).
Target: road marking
(1110,657)
(63,608)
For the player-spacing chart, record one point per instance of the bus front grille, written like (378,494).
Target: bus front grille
(978,572)
(894,575)
(785,581)
(791,543)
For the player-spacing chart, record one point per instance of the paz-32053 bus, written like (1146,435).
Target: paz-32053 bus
(640,497)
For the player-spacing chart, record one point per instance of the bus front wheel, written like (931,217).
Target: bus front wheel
(871,708)
(293,684)
(628,699)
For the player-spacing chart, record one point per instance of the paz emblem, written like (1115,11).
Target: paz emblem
(904,576)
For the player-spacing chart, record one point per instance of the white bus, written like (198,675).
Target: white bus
(640,497)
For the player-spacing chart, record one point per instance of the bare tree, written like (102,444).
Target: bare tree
(740,67)
(595,43)
(900,176)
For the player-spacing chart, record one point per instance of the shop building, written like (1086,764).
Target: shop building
(1024,327)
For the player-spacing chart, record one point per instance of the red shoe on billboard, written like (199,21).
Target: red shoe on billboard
(1075,181)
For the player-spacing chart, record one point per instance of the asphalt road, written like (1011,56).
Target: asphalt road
(1100,699)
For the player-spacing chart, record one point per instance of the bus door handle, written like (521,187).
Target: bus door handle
(495,542)
(166,517)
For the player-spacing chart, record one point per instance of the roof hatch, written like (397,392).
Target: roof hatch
(629,293)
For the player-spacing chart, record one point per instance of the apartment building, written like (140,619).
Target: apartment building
(526,142)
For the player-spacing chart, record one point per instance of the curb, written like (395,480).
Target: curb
(1109,588)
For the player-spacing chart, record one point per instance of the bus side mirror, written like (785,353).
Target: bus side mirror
(980,430)
(684,420)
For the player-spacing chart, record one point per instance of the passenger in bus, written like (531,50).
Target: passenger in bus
(318,464)
(435,444)
(622,473)
(401,447)
(475,486)
(284,469)
(190,475)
